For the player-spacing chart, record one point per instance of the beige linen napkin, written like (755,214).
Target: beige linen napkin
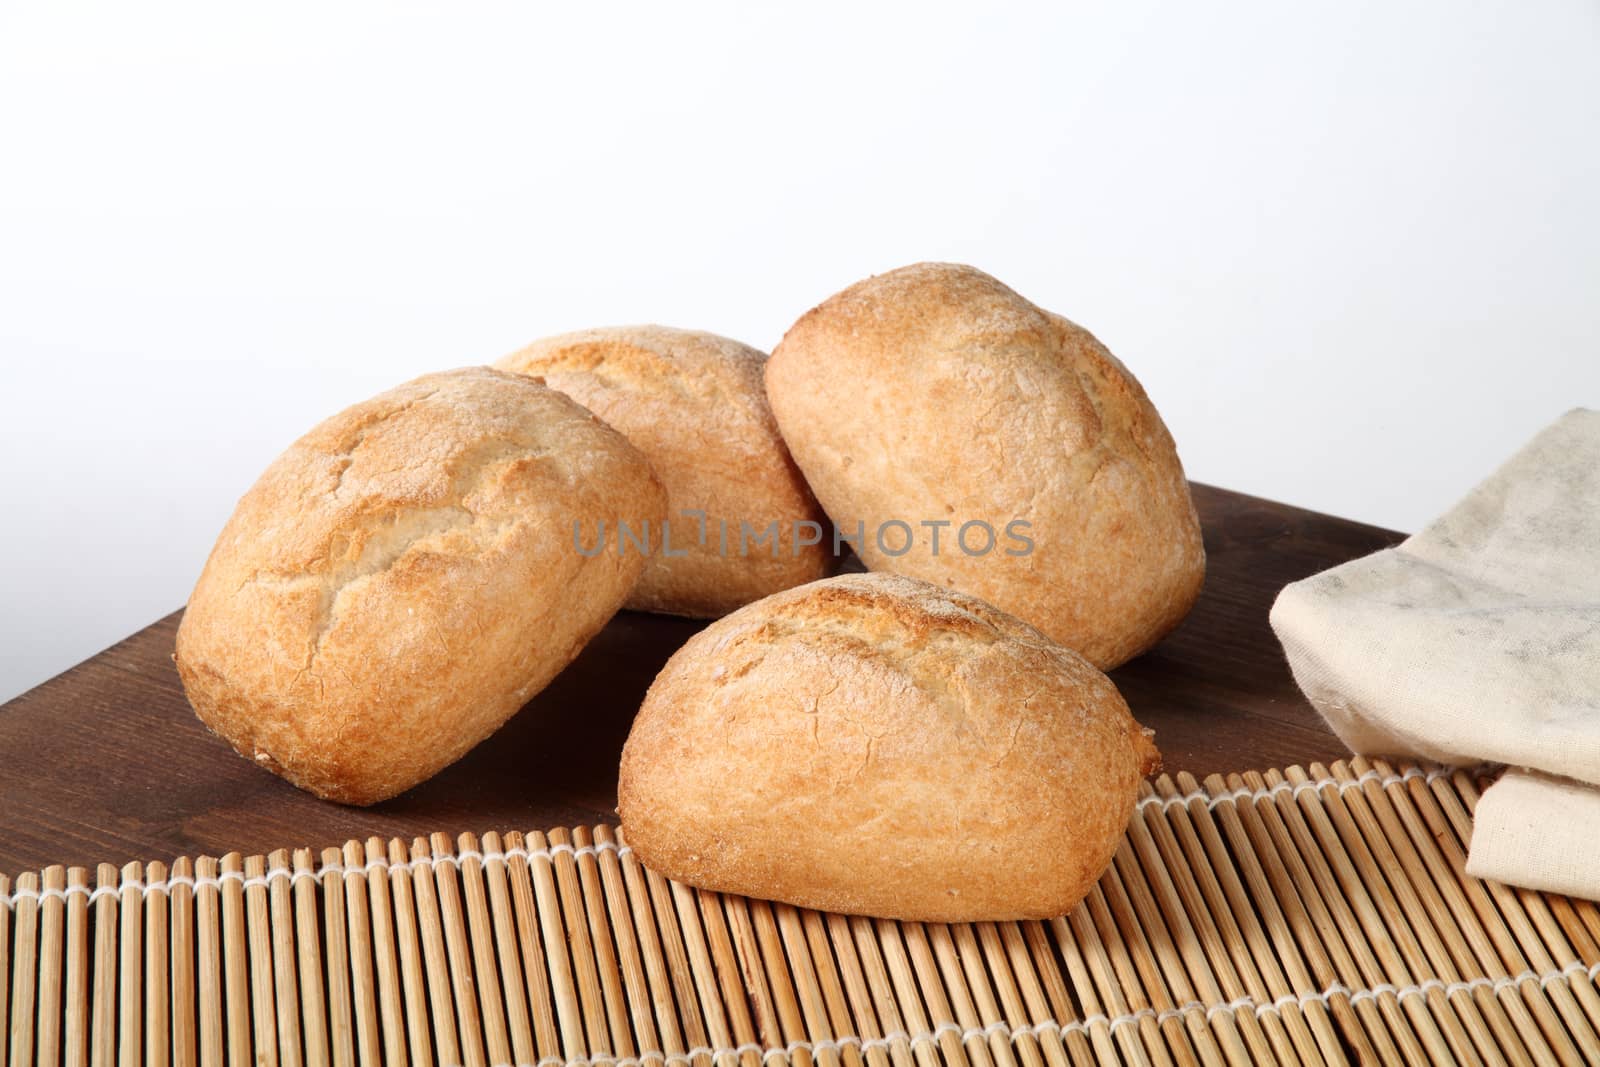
(1478,640)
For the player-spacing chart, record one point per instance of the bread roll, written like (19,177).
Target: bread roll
(404,578)
(878,745)
(935,394)
(695,405)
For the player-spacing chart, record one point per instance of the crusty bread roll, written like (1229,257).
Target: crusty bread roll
(878,745)
(695,405)
(935,394)
(404,578)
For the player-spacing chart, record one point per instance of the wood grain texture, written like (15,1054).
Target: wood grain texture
(106,762)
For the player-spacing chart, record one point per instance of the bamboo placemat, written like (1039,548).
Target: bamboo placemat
(1313,917)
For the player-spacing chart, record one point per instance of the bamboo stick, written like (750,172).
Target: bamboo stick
(258,939)
(130,973)
(52,953)
(103,1041)
(358,933)
(24,967)
(463,986)
(386,956)
(157,969)
(409,944)
(236,961)
(281,955)
(308,949)
(77,1022)
(208,969)
(183,925)
(341,1011)
(5,968)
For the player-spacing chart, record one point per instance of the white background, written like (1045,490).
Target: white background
(1352,249)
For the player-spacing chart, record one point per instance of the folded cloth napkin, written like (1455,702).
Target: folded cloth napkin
(1478,640)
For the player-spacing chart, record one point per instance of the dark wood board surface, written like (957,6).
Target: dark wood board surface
(106,762)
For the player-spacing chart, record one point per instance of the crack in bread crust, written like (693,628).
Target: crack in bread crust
(366,542)
(347,452)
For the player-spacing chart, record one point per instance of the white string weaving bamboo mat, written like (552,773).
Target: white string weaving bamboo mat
(1294,917)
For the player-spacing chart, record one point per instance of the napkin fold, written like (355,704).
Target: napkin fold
(1478,640)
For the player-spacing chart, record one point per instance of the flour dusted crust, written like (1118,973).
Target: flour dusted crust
(695,405)
(403,579)
(877,745)
(934,392)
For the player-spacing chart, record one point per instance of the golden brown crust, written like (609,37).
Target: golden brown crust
(933,393)
(403,579)
(877,745)
(695,405)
